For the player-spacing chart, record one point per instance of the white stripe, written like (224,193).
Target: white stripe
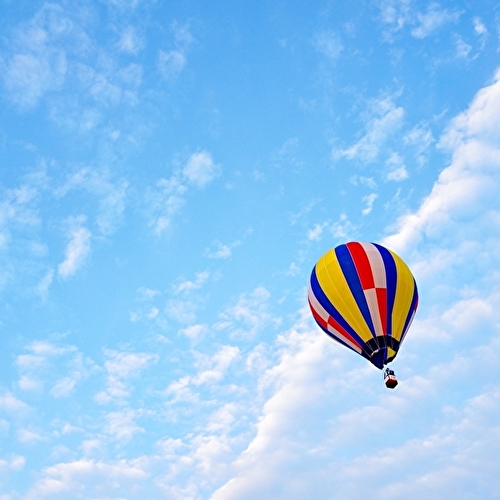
(318,308)
(340,336)
(371,298)
(376,263)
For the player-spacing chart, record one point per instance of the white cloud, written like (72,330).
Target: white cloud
(313,417)
(121,425)
(188,285)
(77,249)
(397,168)
(399,174)
(257,470)
(401,13)
(170,194)
(27,383)
(111,195)
(316,232)
(222,251)
(194,332)
(9,403)
(71,478)
(27,436)
(200,169)
(121,367)
(465,188)
(182,311)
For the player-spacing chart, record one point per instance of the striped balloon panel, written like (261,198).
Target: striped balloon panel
(364,296)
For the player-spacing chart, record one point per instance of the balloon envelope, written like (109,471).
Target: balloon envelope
(364,296)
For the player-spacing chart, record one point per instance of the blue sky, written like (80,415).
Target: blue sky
(169,174)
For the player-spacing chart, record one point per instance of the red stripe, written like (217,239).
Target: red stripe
(340,330)
(362,264)
(382,307)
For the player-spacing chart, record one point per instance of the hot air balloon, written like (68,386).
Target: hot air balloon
(364,296)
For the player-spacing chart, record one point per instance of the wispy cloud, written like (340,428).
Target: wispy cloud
(44,284)
(168,197)
(77,249)
(172,62)
(400,13)
(369,201)
(463,49)
(38,62)
(384,118)
(248,315)
(316,232)
(41,366)
(328,44)
(397,169)
(211,369)
(434,18)
(130,42)
(420,139)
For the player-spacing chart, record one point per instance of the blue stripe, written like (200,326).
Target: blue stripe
(391,280)
(351,275)
(330,309)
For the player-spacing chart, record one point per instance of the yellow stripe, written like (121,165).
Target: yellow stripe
(335,287)
(405,287)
